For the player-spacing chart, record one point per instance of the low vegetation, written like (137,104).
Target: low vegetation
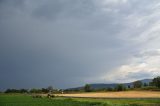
(27,100)
(49,89)
(54,97)
(137,85)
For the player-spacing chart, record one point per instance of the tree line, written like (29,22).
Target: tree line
(120,87)
(87,88)
(49,89)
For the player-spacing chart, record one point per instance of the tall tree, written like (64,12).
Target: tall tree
(87,88)
(50,89)
(137,84)
(120,87)
(156,82)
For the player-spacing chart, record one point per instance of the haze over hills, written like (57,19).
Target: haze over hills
(111,85)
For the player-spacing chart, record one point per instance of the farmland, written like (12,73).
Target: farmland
(28,100)
(122,94)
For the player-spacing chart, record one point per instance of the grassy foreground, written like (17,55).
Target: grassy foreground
(26,100)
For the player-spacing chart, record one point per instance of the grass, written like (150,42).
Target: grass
(26,100)
(125,102)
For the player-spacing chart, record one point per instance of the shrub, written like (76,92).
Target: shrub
(109,89)
(50,96)
(37,96)
(152,88)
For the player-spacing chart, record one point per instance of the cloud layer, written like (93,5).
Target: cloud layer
(67,43)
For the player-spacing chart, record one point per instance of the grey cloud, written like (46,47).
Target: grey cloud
(149,53)
(140,75)
(63,8)
(62,43)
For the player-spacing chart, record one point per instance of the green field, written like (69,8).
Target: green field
(27,100)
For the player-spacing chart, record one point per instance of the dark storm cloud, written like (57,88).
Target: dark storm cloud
(64,43)
(63,8)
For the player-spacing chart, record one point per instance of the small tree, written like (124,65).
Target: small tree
(156,82)
(137,84)
(151,83)
(145,84)
(120,87)
(50,89)
(109,89)
(87,88)
(23,91)
(44,90)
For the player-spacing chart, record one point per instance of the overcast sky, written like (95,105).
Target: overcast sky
(68,43)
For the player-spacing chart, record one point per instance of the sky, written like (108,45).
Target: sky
(68,43)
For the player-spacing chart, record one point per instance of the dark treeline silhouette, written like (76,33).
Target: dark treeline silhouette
(137,85)
(16,91)
(34,90)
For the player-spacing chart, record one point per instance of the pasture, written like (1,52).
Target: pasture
(28,100)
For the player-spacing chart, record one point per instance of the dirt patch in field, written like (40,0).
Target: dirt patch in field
(124,94)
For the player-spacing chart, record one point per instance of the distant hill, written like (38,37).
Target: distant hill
(112,85)
(146,81)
